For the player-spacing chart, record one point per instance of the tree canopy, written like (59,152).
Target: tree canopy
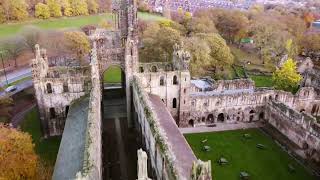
(287,78)
(77,42)
(42,11)
(17,158)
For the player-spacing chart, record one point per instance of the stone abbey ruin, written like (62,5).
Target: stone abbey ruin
(159,98)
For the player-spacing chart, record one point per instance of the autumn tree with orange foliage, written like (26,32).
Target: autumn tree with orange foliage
(18,159)
(308,18)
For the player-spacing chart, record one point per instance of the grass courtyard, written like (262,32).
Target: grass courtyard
(47,149)
(262,80)
(270,163)
(112,75)
(10,29)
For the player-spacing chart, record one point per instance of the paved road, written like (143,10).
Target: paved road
(20,87)
(15,75)
(15,121)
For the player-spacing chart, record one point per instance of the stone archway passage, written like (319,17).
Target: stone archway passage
(210,118)
(251,117)
(221,117)
(191,122)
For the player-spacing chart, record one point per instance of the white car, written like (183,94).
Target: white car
(11,89)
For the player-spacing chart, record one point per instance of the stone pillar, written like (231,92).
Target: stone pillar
(142,165)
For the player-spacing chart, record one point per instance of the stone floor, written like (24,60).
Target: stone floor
(119,142)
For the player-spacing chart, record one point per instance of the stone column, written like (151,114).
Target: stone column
(142,165)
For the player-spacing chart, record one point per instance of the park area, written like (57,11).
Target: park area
(250,152)
(10,29)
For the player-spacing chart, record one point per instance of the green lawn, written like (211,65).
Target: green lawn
(243,155)
(47,149)
(112,75)
(262,81)
(65,22)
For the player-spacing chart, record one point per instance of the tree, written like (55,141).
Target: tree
(2,15)
(13,46)
(287,78)
(77,42)
(55,8)
(6,105)
(79,7)
(42,11)
(308,18)
(17,158)
(310,43)
(209,53)
(31,36)
(158,41)
(66,8)
(231,24)
(202,24)
(93,6)
(15,9)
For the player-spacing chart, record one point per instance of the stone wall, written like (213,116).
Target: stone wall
(155,140)
(56,87)
(300,128)
(92,165)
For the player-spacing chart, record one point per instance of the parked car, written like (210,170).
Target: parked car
(11,89)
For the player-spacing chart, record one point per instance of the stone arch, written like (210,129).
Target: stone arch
(113,76)
(191,122)
(210,118)
(221,117)
(203,119)
(161,81)
(261,116)
(49,88)
(141,69)
(52,112)
(154,69)
(65,87)
(175,80)
(251,115)
(302,110)
(277,97)
(174,103)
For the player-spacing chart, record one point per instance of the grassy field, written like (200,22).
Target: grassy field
(243,155)
(47,149)
(112,75)
(65,22)
(262,81)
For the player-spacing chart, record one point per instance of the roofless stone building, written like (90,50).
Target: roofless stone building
(159,98)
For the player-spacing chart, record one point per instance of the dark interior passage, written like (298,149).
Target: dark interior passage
(119,142)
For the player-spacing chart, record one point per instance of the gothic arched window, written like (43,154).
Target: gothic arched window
(49,88)
(175,80)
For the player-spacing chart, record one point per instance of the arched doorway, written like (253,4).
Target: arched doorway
(113,80)
(191,122)
(210,118)
(261,116)
(251,115)
(221,117)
